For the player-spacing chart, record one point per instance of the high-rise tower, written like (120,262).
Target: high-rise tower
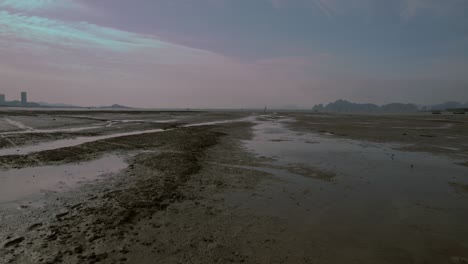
(24,98)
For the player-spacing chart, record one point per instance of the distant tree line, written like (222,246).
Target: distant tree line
(343,106)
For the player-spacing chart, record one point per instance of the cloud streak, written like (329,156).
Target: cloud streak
(325,7)
(412,8)
(406,8)
(63,57)
(37,5)
(22,34)
(43,30)
(295,52)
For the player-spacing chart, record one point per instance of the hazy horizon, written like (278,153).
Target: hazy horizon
(234,54)
(260,107)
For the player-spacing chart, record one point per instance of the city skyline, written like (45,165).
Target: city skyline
(5,97)
(234,54)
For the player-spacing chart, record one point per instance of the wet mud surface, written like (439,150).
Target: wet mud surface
(19,128)
(28,184)
(375,195)
(152,184)
(444,134)
(271,188)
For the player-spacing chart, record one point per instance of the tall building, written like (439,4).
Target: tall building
(24,98)
(2,99)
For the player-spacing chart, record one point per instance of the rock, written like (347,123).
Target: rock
(78,249)
(13,242)
(34,226)
(93,237)
(430,136)
(459,260)
(76,206)
(61,215)
(102,256)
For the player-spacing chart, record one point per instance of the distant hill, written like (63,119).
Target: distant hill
(447,105)
(114,106)
(343,106)
(49,105)
(17,103)
(59,105)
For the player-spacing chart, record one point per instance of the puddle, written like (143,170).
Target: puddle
(444,126)
(166,121)
(68,143)
(446,148)
(44,131)
(378,194)
(347,157)
(145,120)
(30,130)
(244,119)
(17,185)
(111,124)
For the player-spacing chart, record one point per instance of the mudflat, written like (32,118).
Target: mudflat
(232,187)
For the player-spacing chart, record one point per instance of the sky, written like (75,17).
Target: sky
(234,53)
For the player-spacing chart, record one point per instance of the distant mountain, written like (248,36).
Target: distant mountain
(115,106)
(447,105)
(343,106)
(399,108)
(59,105)
(17,103)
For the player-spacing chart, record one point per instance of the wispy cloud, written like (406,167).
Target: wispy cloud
(407,8)
(412,8)
(41,30)
(43,48)
(276,3)
(37,5)
(62,57)
(325,7)
(38,35)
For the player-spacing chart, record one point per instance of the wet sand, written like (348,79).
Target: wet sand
(274,188)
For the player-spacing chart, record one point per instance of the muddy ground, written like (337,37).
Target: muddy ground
(18,128)
(178,200)
(440,134)
(163,207)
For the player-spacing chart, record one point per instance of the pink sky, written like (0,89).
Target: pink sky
(225,54)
